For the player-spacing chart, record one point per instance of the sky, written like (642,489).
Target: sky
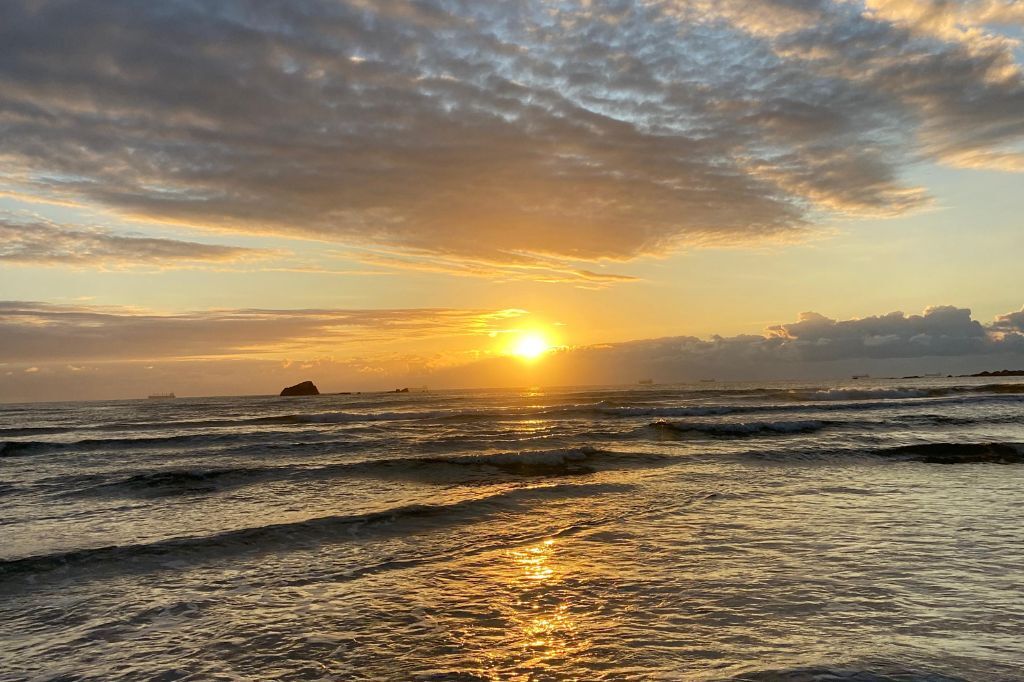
(225,198)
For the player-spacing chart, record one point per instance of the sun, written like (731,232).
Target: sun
(531,346)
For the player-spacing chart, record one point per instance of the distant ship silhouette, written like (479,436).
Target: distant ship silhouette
(162,396)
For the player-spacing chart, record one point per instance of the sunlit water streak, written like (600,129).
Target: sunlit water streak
(718,531)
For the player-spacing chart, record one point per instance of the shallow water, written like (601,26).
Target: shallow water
(703,532)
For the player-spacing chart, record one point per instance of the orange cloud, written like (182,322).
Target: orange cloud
(31,332)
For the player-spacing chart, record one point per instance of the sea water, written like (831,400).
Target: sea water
(866,530)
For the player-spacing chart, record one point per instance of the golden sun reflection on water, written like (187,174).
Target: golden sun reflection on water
(535,561)
(545,625)
(526,427)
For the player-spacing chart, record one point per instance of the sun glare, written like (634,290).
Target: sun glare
(531,346)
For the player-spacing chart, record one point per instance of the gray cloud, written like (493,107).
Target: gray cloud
(942,339)
(940,332)
(41,243)
(500,131)
(1010,322)
(943,330)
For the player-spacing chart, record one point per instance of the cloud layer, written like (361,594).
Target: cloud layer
(503,131)
(40,332)
(44,243)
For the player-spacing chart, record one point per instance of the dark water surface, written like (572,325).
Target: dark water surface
(869,531)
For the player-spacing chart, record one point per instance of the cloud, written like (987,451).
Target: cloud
(80,351)
(941,339)
(43,243)
(1010,322)
(514,267)
(578,129)
(40,332)
(943,330)
(959,20)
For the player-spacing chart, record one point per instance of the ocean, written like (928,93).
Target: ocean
(863,530)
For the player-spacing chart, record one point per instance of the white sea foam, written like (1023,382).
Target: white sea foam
(861,394)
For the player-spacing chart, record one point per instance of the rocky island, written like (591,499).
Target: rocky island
(305,388)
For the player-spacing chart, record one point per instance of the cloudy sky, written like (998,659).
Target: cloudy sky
(372,193)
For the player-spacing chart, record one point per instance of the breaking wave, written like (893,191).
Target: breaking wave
(862,394)
(847,394)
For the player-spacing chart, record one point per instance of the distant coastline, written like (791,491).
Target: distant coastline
(997,373)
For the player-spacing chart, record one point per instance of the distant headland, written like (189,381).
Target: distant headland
(998,373)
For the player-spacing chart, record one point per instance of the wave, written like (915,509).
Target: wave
(201,423)
(536,463)
(29,447)
(17,448)
(285,419)
(602,408)
(846,399)
(780,400)
(690,411)
(225,423)
(342,417)
(805,426)
(843,674)
(561,461)
(930,453)
(26,447)
(957,453)
(20,448)
(998,388)
(181,480)
(32,430)
(8,489)
(335,528)
(847,394)
(740,429)
(465,415)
